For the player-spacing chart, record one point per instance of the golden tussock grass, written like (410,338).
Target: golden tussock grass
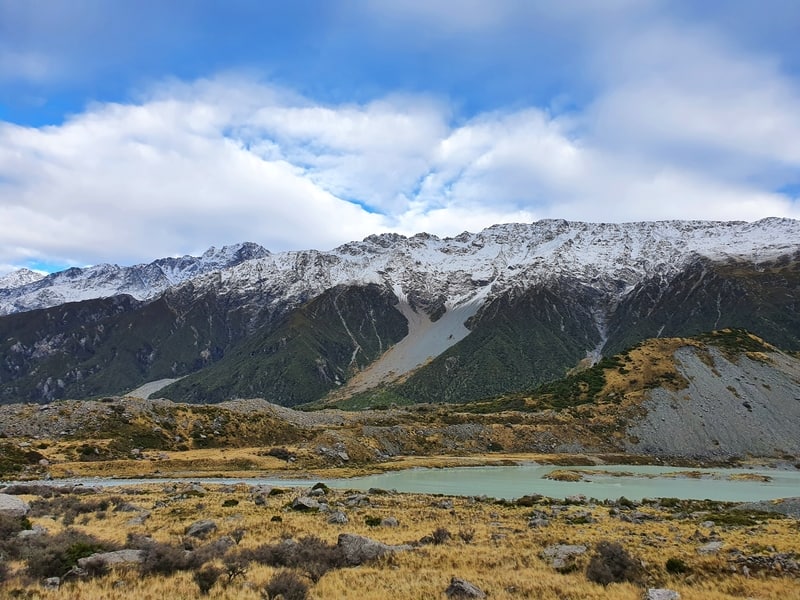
(501,556)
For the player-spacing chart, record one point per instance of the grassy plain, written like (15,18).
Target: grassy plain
(491,545)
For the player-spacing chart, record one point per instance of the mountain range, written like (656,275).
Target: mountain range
(395,319)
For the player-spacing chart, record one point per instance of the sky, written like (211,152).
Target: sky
(136,129)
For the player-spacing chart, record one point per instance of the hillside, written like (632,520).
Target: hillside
(717,397)
(395,319)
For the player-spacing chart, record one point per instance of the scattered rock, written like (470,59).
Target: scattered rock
(710,548)
(444,504)
(116,558)
(538,522)
(338,518)
(358,549)
(52,583)
(305,503)
(661,594)
(127,507)
(12,506)
(461,588)
(357,500)
(562,556)
(139,519)
(200,529)
(34,531)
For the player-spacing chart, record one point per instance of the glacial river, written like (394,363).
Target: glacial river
(633,482)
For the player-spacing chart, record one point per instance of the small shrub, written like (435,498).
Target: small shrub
(281,453)
(676,566)
(440,535)
(310,554)
(54,556)
(206,577)
(372,521)
(611,563)
(287,585)
(3,571)
(466,535)
(11,526)
(163,559)
(230,502)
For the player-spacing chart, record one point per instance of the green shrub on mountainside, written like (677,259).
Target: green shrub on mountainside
(316,349)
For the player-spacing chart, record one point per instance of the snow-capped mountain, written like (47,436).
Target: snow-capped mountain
(19,278)
(143,282)
(480,265)
(423,318)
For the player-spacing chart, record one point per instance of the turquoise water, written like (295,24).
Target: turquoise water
(514,481)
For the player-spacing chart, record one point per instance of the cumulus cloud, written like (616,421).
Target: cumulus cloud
(681,123)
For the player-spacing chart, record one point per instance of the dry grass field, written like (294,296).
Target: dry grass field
(488,543)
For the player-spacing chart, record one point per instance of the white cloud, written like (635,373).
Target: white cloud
(683,125)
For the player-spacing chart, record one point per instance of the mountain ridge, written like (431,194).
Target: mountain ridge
(500,310)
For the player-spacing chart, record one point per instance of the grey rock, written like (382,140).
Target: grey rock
(538,522)
(338,518)
(562,556)
(305,503)
(389,522)
(707,524)
(444,504)
(710,548)
(52,583)
(359,500)
(139,519)
(12,506)
(661,594)
(461,588)
(34,531)
(200,529)
(358,550)
(118,557)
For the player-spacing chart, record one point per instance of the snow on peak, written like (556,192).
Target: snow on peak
(143,281)
(460,269)
(19,278)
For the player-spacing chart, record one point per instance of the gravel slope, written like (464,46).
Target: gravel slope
(746,407)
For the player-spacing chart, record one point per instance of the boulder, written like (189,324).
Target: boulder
(562,556)
(116,558)
(12,506)
(661,594)
(389,522)
(710,548)
(200,529)
(461,588)
(338,518)
(305,503)
(357,549)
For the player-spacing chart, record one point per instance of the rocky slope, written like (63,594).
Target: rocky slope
(24,290)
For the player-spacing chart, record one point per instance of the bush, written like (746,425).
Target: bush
(281,453)
(440,535)
(611,563)
(54,556)
(372,521)
(310,554)
(206,577)
(3,571)
(288,586)
(163,559)
(676,566)
(11,526)
(466,535)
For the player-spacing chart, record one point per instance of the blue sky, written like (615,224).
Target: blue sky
(131,130)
